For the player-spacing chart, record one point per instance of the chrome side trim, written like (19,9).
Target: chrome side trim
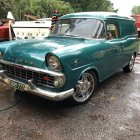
(52,73)
(54,96)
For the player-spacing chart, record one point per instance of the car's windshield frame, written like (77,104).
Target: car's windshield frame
(73,29)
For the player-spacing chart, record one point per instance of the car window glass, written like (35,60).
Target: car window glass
(112,30)
(81,27)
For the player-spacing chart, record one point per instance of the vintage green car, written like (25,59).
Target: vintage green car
(82,50)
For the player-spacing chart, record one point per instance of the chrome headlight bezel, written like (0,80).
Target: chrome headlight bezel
(53,63)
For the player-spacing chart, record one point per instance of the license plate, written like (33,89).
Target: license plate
(16,85)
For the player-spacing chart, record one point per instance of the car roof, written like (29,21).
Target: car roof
(97,15)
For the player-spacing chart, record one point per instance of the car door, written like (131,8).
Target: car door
(114,47)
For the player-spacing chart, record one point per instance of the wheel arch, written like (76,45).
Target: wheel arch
(92,69)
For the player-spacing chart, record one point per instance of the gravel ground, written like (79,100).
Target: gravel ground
(113,113)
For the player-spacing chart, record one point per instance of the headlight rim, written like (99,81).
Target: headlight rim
(58,68)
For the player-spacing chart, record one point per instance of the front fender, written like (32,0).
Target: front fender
(92,68)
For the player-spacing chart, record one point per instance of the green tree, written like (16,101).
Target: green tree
(40,8)
(2,13)
(136,10)
(44,8)
(91,5)
(4,7)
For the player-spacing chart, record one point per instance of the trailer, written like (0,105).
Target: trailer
(137,18)
(32,29)
(4,30)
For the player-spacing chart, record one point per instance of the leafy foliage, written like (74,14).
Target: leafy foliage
(91,5)
(136,10)
(40,8)
(44,8)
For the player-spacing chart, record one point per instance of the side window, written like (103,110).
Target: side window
(112,30)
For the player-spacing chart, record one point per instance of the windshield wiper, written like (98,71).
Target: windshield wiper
(66,35)
(76,36)
(71,35)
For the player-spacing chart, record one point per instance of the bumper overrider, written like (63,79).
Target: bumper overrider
(32,88)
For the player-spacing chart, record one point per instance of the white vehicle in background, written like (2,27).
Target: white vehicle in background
(32,29)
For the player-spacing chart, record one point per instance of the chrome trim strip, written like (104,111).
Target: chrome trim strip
(54,96)
(52,73)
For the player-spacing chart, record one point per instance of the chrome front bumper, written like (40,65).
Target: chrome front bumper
(55,96)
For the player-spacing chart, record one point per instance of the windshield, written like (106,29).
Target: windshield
(85,27)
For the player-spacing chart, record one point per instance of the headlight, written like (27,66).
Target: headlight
(53,63)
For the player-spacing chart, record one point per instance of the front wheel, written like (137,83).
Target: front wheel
(85,87)
(130,65)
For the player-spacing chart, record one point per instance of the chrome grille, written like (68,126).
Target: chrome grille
(28,74)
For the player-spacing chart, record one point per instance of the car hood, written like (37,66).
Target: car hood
(33,52)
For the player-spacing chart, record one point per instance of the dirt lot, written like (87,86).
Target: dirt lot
(113,113)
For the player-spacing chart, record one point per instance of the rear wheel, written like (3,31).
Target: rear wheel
(85,88)
(130,65)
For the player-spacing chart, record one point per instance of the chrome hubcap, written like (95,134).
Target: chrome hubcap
(84,88)
(131,63)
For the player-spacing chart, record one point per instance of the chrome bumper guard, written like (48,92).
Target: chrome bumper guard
(54,96)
